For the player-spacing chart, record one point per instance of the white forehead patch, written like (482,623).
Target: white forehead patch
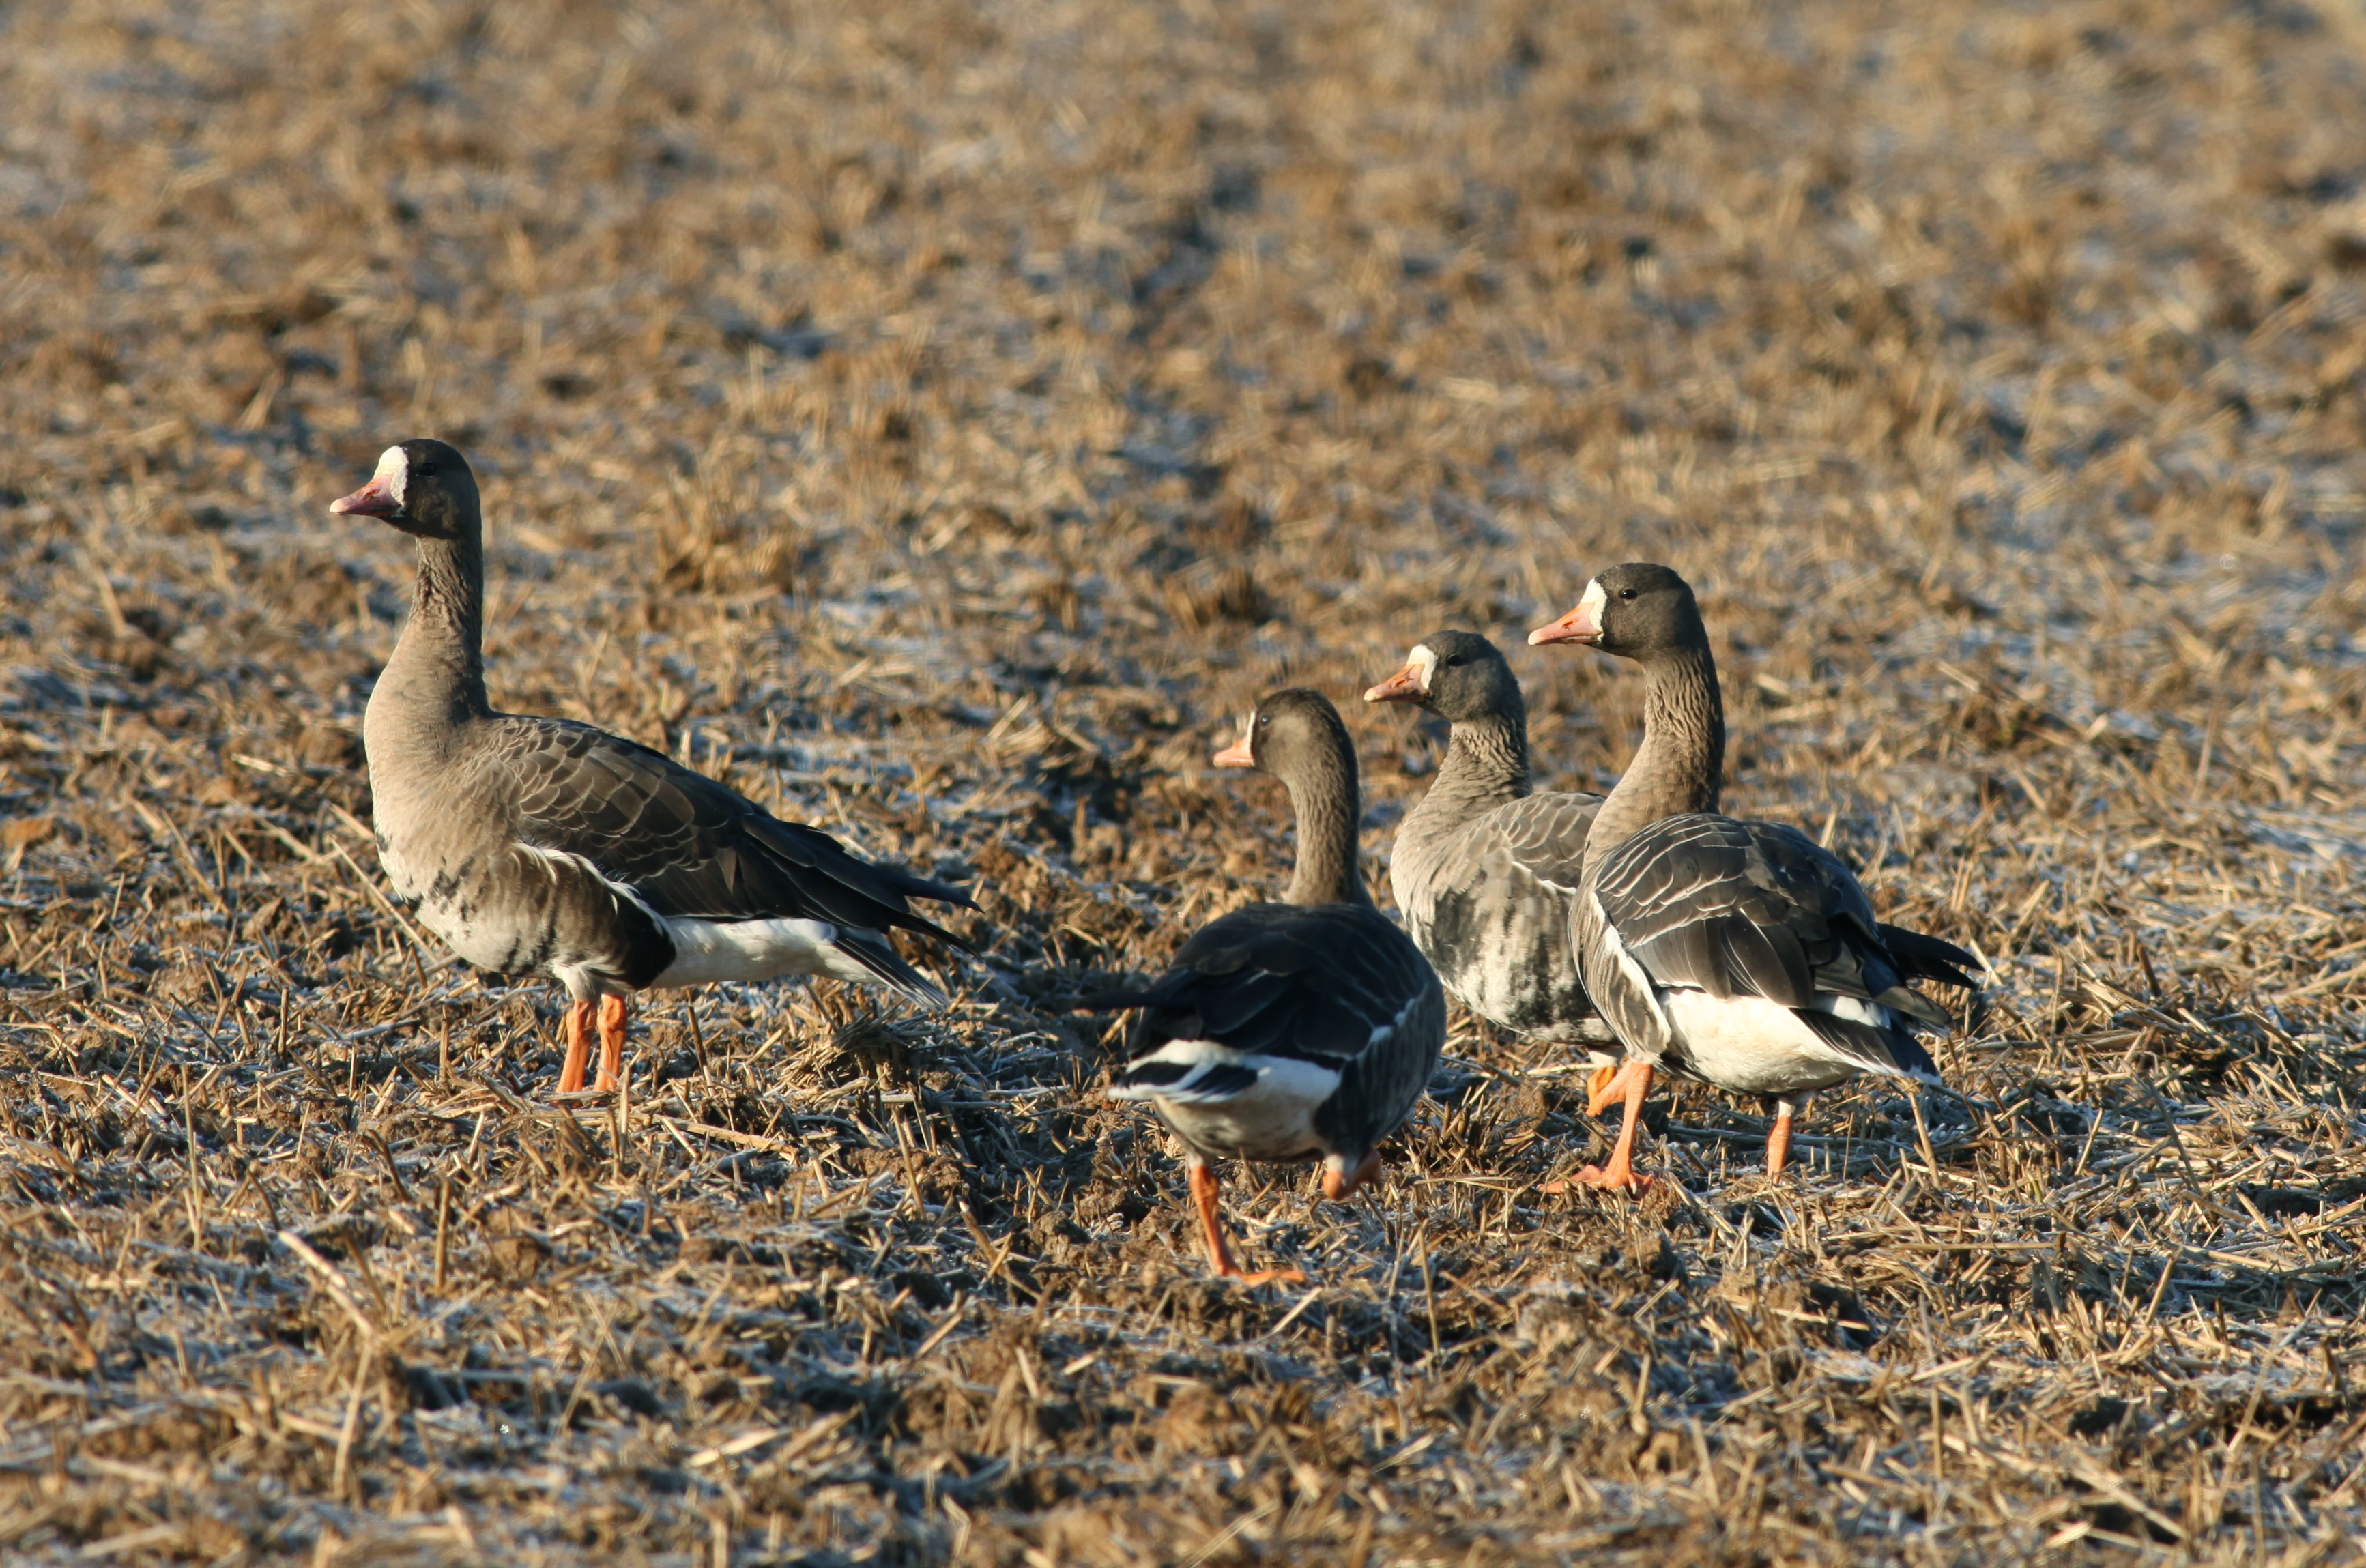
(395,469)
(1424,662)
(1594,599)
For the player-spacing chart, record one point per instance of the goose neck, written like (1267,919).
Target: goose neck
(1678,768)
(1324,799)
(439,661)
(1486,764)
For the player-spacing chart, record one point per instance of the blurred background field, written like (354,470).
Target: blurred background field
(941,421)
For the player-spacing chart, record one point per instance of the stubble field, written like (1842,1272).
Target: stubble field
(940,422)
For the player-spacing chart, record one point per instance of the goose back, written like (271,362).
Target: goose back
(1283,1031)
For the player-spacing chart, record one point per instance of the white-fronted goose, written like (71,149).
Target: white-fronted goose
(1294,1031)
(1742,954)
(1484,869)
(543,845)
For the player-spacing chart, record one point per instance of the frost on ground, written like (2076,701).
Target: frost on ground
(941,421)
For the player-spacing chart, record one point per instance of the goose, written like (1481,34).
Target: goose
(540,845)
(1296,1031)
(1485,869)
(1741,954)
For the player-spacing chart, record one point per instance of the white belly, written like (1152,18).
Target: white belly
(707,950)
(1752,1045)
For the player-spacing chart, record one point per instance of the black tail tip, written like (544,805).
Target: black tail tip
(1929,957)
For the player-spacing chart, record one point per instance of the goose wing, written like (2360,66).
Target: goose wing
(687,847)
(1545,837)
(1737,909)
(1335,987)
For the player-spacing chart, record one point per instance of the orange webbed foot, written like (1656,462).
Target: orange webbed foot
(1612,1179)
(1219,1252)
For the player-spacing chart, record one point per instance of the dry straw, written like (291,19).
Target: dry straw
(939,420)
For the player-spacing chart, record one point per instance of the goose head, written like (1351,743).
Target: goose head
(1456,675)
(422,487)
(1636,611)
(1288,734)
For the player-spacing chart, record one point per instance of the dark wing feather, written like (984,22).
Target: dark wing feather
(1279,980)
(689,847)
(1759,909)
(1926,957)
(1690,901)
(1313,983)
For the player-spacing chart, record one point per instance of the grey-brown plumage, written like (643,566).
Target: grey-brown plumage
(1302,1030)
(1486,870)
(540,845)
(1739,953)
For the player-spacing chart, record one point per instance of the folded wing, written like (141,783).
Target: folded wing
(686,847)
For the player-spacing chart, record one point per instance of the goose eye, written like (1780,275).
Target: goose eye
(1626,593)
(425,471)
(1455,659)
(1263,719)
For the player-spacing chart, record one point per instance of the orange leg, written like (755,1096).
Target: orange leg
(612,1013)
(579,1047)
(1620,1172)
(1338,1184)
(1604,1086)
(1778,1142)
(1220,1254)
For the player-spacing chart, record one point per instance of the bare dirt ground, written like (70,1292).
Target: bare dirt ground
(938,420)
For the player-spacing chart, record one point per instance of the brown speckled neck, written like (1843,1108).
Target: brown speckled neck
(1679,767)
(435,681)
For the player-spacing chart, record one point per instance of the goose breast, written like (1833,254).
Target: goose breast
(1496,906)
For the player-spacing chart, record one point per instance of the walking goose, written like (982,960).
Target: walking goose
(1486,870)
(1291,1030)
(1742,954)
(542,845)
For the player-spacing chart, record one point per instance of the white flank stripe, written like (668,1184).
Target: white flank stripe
(1616,945)
(1854,1009)
(708,951)
(705,950)
(1382,1032)
(1752,1046)
(1271,1119)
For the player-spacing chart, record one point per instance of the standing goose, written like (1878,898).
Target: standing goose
(1291,1030)
(542,845)
(1742,954)
(1485,870)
